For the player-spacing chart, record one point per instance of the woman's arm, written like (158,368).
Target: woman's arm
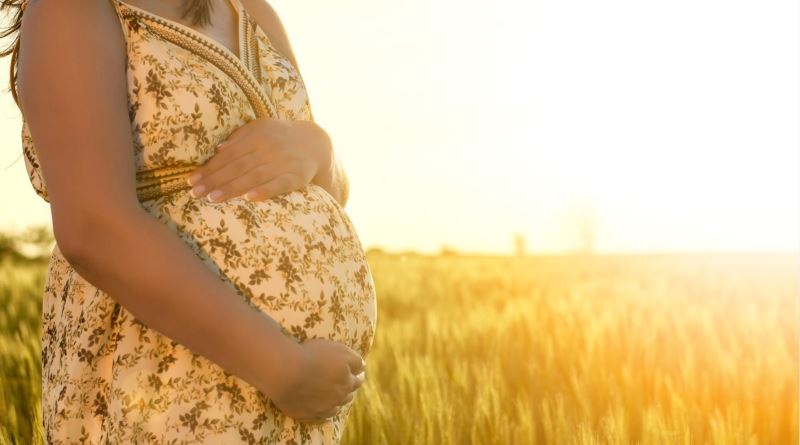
(333,179)
(73,90)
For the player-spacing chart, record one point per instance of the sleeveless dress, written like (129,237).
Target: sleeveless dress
(109,378)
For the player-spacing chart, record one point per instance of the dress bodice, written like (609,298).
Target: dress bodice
(187,92)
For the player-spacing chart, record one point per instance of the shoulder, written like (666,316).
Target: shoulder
(73,98)
(74,14)
(74,33)
(72,24)
(267,18)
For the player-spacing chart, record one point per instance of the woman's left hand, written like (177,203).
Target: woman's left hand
(264,158)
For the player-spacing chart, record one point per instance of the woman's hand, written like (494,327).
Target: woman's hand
(264,158)
(329,377)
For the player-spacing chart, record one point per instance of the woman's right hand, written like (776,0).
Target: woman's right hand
(328,377)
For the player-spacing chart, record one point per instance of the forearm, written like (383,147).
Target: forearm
(161,281)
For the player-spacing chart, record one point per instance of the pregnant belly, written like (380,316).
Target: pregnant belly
(296,257)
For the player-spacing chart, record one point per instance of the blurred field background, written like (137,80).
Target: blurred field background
(558,349)
(596,132)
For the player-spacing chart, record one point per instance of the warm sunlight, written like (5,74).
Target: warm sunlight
(569,222)
(462,123)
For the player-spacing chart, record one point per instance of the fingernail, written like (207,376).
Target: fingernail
(198,190)
(213,196)
(221,146)
(194,178)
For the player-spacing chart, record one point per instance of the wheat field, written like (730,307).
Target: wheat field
(644,349)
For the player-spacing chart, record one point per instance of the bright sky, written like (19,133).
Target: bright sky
(461,123)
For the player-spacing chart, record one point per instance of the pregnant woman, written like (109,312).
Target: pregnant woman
(207,285)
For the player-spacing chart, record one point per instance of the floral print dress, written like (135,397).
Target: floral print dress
(109,378)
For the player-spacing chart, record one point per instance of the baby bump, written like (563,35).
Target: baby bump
(296,257)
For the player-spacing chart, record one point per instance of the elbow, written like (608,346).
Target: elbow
(73,239)
(82,234)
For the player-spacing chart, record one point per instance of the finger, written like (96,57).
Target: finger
(280,184)
(215,178)
(234,136)
(227,151)
(356,380)
(357,364)
(348,399)
(239,132)
(238,185)
(221,158)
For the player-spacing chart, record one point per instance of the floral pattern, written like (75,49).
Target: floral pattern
(109,378)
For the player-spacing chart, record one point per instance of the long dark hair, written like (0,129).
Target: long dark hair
(200,11)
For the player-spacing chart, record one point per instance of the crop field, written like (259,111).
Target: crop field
(638,349)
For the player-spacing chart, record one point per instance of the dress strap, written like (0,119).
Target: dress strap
(248,46)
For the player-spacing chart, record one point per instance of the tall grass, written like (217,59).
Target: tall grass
(662,349)
(568,350)
(21,286)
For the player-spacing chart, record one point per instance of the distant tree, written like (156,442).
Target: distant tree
(375,251)
(8,246)
(39,240)
(519,244)
(448,251)
(34,242)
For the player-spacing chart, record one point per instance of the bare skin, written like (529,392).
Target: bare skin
(272,156)
(71,74)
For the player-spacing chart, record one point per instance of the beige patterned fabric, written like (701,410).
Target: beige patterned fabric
(107,377)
